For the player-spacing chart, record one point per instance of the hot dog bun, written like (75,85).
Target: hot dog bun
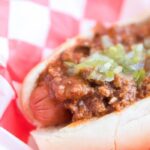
(125,130)
(128,129)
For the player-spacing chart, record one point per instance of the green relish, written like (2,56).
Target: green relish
(105,64)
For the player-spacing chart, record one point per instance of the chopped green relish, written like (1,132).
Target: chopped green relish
(105,64)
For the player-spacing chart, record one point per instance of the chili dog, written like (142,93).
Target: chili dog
(93,93)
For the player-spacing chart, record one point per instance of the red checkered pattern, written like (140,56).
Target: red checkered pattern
(29,29)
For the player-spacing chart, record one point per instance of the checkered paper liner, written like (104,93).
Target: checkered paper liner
(31,29)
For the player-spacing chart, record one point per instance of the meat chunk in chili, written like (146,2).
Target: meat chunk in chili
(144,90)
(69,88)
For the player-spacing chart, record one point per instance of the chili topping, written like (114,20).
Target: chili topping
(96,76)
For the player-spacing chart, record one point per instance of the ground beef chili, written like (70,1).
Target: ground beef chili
(77,97)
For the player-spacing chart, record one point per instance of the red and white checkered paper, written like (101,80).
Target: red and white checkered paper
(31,29)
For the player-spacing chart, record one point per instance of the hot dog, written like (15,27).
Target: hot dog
(93,93)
